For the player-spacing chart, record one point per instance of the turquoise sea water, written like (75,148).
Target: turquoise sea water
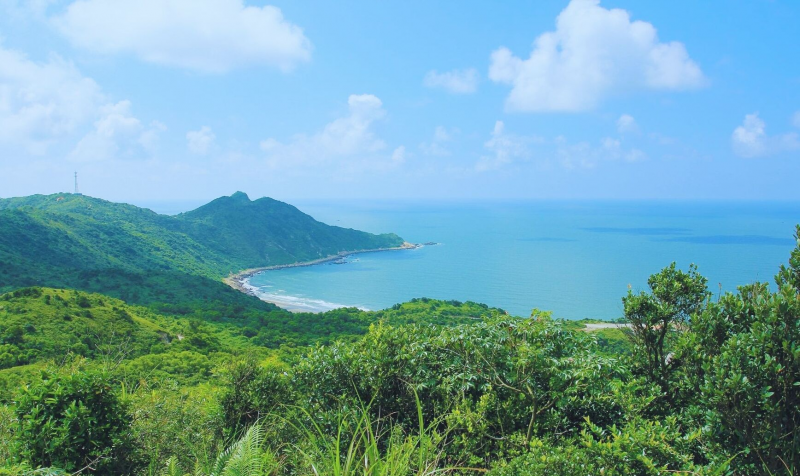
(573,258)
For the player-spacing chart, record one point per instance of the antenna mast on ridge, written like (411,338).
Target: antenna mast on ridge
(76,183)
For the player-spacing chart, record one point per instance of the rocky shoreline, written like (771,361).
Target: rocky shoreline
(238,280)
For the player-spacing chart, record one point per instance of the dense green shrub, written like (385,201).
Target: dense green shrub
(750,374)
(252,392)
(641,448)
(8,440)
(75,421)
(494,385)
(175,422)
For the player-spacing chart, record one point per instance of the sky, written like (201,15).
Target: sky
(581,99)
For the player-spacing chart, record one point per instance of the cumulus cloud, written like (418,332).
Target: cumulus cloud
(199,142)
(464,81)
(593,53)
(116,135)
(399,155)
(503,148)
(348,136)
(42,101)
(613,149)
(626,123)
(585,155)
(750,140)
(204,35)
(436,146)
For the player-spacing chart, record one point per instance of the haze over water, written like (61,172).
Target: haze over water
(573,258)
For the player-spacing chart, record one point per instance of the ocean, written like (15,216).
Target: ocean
(576,259)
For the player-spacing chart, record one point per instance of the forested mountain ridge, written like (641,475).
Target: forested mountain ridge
(228,234)
(67,240)
(272,232)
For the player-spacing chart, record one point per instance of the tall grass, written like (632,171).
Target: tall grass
(359,445)
(363,446)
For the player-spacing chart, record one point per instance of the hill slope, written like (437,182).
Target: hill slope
(271,232)
(51,239)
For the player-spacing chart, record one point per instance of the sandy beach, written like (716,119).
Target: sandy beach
(240,280)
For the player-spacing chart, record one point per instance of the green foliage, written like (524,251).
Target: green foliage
(175,423)
(305,329)
(76,422)
(183,367)
(492,386)
(657,319)
(611,341)
(361,445)
(8,428)
(252,391)
(268,232)
(48,240)
(641,447)
(246,457)
(747,368)
(49,323)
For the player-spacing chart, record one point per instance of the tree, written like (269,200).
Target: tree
(655,318)
(750,374)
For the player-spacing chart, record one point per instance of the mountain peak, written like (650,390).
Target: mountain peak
(240,196)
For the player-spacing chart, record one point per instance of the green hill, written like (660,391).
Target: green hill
(40,323)
(267,232)
(80,242)
(40,233)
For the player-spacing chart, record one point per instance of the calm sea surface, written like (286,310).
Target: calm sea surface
(573,258)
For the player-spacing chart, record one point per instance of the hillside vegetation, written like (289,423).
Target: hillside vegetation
(180,375)
(172,264)
(44,239)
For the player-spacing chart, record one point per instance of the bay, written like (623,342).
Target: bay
(576,259)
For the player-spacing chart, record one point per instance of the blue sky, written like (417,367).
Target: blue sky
(192,99)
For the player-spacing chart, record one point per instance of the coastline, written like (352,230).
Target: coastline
(239,281)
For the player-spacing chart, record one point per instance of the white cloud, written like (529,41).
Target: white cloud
(796,119)
(399,155)
(203,35)
(463,81)
(584,155)
(635,155)
(348,136)
(440,134)
(116,135)
(435,146)
(751,140)
(199,142)
(41,102)
(23,10)
(503,148)
(150,137)
(573,156)
(626,123)
(612,149)
(593,53)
